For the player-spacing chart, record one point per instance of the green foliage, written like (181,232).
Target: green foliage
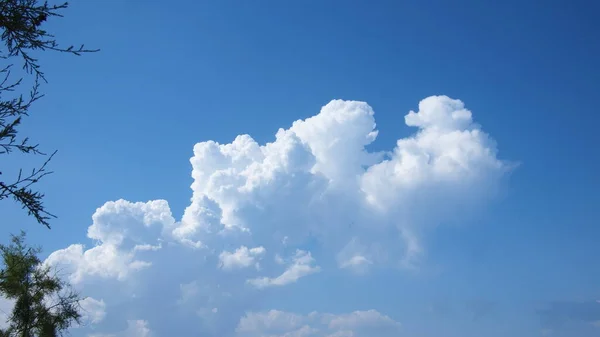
(22,33)
(44,304)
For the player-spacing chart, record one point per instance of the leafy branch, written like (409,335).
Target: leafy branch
(44,305)
(22,34)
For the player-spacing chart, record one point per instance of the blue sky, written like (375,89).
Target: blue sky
(496,244)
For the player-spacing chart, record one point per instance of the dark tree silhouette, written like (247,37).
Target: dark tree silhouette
(44,306)
(22,36)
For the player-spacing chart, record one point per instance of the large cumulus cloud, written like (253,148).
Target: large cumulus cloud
(268,215)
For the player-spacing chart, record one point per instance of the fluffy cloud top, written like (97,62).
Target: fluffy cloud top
(314,198)
(316,178)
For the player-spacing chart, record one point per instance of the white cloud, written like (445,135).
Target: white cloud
(301,265)
(359,319)
(315,193)
(354,257)
(449,152)
(92,310)
(279,323)
(316,178)
(135,328)
(138,328)
(270,320)
(241,258)
(122,230)
(357,263)
(146,247)
(278,259)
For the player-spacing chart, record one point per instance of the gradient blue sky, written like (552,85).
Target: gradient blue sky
(125,121)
